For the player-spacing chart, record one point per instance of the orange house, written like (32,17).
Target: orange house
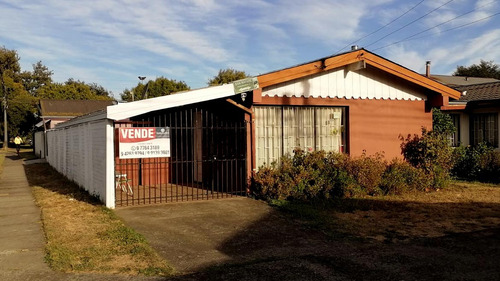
(351,102)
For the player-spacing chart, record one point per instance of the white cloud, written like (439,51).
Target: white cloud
(327,22)
(485,46)
(446,56)
(408,58)
(190,40)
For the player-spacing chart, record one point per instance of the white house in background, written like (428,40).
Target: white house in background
(53,112)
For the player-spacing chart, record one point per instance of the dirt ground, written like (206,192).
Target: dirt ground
(452,234)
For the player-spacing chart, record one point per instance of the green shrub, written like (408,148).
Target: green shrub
(303,177)
(298,177)
(491,167)
(478,162)
(309,182)
(442,123)
(400,177)
(265,182)
(467,161)
(367,171)
(431,153)
(319,175)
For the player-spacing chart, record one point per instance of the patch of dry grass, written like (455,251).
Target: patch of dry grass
(83,235)
(463,207)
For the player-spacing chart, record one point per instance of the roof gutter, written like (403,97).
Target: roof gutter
(454,105)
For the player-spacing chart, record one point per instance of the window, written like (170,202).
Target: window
(268,132)
(485,129)
(282,129)
(298,129)
(455,137)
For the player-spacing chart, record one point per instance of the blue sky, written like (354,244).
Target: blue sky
(111,42)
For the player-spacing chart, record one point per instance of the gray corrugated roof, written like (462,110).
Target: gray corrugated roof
(71,107)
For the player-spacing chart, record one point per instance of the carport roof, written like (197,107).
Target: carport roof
(126,110)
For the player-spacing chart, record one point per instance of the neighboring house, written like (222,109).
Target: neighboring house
(456,81)
(476,114)
(219,136)
(53,112)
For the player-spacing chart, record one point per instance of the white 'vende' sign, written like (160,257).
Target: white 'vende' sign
(147,142)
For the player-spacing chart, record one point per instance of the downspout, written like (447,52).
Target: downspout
(252,118)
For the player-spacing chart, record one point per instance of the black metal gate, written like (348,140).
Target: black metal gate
(208,158)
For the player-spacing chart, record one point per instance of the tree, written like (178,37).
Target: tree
(73,90)
(485,69)
(21,106)
(9,62)
(22,90)
(39,77)
(21,114)
(227,76)
(99,90)
(17,102)
(160,87)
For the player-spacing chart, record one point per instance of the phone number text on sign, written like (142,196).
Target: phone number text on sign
(147,142)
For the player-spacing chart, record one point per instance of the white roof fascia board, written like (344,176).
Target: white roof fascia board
(457,102)
(40,124)
(126,110)
(98,115)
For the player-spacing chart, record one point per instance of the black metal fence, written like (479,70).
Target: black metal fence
(207,160)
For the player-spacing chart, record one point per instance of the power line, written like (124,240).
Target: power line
(373,32)
(445,22)
(410,23)
(446,30)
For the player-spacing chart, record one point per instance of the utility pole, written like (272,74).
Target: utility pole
(4,103)
(5,137)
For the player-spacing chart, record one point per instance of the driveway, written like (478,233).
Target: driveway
(245,239)
(196,235)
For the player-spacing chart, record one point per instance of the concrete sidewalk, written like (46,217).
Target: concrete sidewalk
(22,239)
(21,235)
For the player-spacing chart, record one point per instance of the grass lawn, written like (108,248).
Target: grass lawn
(84,236)
(461,208)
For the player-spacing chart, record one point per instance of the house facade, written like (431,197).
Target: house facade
(219,136)
(350,103)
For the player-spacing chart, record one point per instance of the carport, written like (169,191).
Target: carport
(202,153)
